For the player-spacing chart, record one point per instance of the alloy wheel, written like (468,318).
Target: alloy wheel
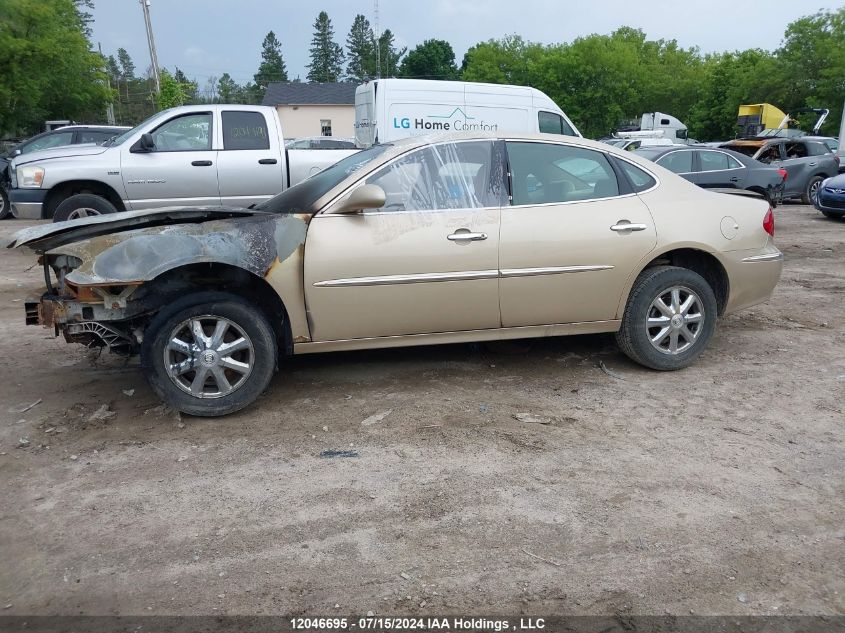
(82,212)
(674,320)
(208,356)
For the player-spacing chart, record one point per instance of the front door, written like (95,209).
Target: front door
(571,237)
(426,262)
(180,171)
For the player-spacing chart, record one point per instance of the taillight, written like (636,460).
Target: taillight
(783,173)
(769,222)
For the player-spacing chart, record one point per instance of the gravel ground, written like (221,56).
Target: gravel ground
(719,489)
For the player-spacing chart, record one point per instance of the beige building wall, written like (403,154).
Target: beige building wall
(304,120)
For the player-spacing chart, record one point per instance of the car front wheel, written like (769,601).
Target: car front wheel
(5,205)
(669,319)
(82,205)
(209,354)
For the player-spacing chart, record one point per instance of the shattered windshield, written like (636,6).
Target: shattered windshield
(301,197)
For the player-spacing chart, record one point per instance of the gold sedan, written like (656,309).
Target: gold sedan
(429,240)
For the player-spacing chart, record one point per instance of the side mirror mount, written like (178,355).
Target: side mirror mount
(144,144)
(363,197)
(15,152)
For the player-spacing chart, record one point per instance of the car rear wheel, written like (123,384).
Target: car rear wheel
(669,319)
(209,354)
(812,190)
(82,205)
(5,206)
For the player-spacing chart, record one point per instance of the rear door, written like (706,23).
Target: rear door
(796,162)
(249,166)
(181,170)
(719,169)
(565,253)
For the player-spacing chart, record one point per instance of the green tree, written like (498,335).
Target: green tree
(172,93)
(360,50)
(272,68)
(190,88)
(47,68)
(228,89)
(112,69)
(127,66)
(326,55)
(433,59)
(389,55)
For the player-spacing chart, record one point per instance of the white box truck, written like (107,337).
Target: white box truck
(390,109)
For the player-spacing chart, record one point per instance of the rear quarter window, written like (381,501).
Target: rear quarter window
(640,180)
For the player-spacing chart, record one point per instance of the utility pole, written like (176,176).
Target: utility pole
(110,107)
(145,5)
(378,39)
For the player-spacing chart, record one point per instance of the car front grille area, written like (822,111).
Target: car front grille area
(832,200)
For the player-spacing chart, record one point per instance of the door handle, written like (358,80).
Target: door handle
(734,179)
(201,163)
(813,164)
(624,225)
(466,236)
(267,161)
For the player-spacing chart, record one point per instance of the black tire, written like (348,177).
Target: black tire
(5,205)
(247,317)
(87,203)
(634,338)
(806,196)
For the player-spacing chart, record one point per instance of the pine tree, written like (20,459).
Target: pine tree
(127,66)
(272,68)
(228,90)
(389,55)
(360,45)
(326,55)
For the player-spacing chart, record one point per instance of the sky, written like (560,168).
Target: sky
(209,37)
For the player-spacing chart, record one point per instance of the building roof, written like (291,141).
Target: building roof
(295,93)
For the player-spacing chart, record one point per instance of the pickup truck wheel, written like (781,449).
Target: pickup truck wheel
(5,206)
(82,205)
(209,354)
(669,319)
(811,190)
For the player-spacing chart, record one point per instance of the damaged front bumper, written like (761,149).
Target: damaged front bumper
(91,325)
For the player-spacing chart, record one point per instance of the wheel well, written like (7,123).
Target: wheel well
(705,265)
(65,190)
(175,283)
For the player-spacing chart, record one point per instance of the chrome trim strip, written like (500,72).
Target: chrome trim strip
(418,278)
(551,270)
(766,257)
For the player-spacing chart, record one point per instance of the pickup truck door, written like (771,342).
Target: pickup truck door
(426,262)
(249,164)
(180,171)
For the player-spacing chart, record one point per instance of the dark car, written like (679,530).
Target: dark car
(67,135)
(807,162)
(714,168)
(831,197)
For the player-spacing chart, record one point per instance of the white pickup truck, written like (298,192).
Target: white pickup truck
(195,156)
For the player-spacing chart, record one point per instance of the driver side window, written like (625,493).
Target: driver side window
(191,132)
(445,176)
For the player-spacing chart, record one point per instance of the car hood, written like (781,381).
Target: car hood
(44,237)
(66,151)
(837,181)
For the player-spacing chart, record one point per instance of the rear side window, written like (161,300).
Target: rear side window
(545,173)
(552,123)
(714,161)
(245,130)
(640,180)
(796,150)
(678,162)
(815,148)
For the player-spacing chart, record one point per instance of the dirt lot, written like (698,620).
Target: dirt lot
(719,489)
